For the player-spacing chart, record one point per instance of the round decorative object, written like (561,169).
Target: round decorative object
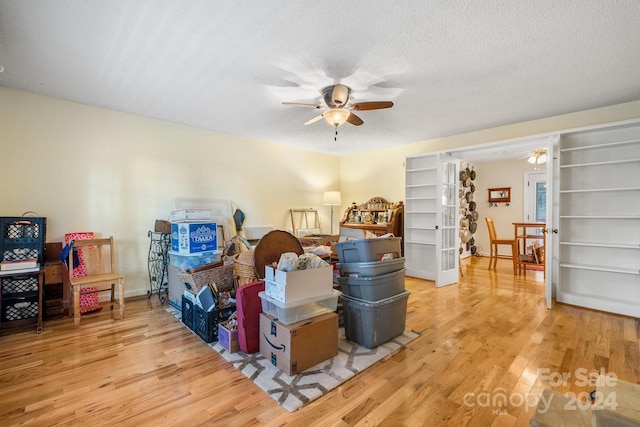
(463,203)
(461,193)
(271,246)
(469,196)
(472,175)
(472,241)
(473,227)
(464,222)
(475,215)
(460,250)
(463,175)
(473,250)
(472,206)
(466,235)
(468,246)
(473,188)
(466,182)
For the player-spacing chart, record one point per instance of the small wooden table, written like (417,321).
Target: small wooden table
(523,232)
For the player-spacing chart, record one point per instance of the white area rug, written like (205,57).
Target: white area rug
(293,392)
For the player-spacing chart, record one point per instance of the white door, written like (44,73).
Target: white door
(447,221)
(431,218)
(551,230)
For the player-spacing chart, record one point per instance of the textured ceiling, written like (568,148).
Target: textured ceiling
(449,66)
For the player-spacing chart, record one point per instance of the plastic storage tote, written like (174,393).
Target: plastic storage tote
(370,268)
(373,288)
(288,313)
(373,323)
(367,250)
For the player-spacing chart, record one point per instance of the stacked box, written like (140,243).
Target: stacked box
(301,345)
(193,237)
(374,299)
(291,286)
(228,338)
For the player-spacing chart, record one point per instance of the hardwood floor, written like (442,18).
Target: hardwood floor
(482,339)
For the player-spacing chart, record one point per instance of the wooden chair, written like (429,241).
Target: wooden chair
(98,256)
(494,243)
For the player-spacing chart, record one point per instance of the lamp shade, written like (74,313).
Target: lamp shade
(336,116)
(332,198)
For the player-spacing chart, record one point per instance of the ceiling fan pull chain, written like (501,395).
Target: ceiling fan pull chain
(335,138)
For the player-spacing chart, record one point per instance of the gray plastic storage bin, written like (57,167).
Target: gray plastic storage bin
(366,250)
(370,269)
(373,288)
(373,323)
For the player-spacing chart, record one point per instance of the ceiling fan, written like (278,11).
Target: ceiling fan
(537,157)
(338,110)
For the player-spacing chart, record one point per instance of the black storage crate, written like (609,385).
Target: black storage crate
(19,308)
(188,312)
(19,284)
(23,238)
(206,322)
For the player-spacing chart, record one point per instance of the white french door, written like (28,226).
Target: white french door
(431,218)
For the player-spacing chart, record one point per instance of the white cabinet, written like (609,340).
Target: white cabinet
(599,219)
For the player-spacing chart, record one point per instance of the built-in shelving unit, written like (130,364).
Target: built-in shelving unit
(420,216)
(599,219)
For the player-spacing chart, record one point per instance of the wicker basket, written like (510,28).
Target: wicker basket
(222,276)
(243,268)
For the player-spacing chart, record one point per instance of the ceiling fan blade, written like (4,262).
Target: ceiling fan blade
(313,120)
(354,120)
(302,104)
(371,105)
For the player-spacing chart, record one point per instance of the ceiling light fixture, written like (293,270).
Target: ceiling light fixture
(336,116)
(538,157)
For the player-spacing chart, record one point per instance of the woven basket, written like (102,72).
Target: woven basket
(243,268)
(221,276)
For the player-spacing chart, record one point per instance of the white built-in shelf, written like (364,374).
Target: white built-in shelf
(599,216)
(421,198)
(604,145)
(605,163)
(429,169)
(422,212)
(600,190)
(603,268)
(602,245)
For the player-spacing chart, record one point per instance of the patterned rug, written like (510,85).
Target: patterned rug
(293,392)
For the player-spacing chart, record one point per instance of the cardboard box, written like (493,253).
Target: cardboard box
(194,237)
(298,285)
(182,215)
(228,338)
(301,345)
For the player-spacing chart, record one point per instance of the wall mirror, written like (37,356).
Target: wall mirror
(500,195)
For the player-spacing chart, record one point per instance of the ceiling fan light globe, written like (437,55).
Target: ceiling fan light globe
(542,159)
(336,116)
(532,159)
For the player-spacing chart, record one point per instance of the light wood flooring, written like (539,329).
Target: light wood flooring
(484,338)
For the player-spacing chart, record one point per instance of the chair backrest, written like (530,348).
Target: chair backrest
(492,228)
(98,256)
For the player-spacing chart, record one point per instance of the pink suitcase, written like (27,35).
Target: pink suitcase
(249,307)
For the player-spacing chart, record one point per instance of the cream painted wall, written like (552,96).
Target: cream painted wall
(504,173)
(87,168)
(91,169)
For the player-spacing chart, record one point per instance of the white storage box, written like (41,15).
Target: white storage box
(194,237)
(298,285)
(182,215)
(292,312)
